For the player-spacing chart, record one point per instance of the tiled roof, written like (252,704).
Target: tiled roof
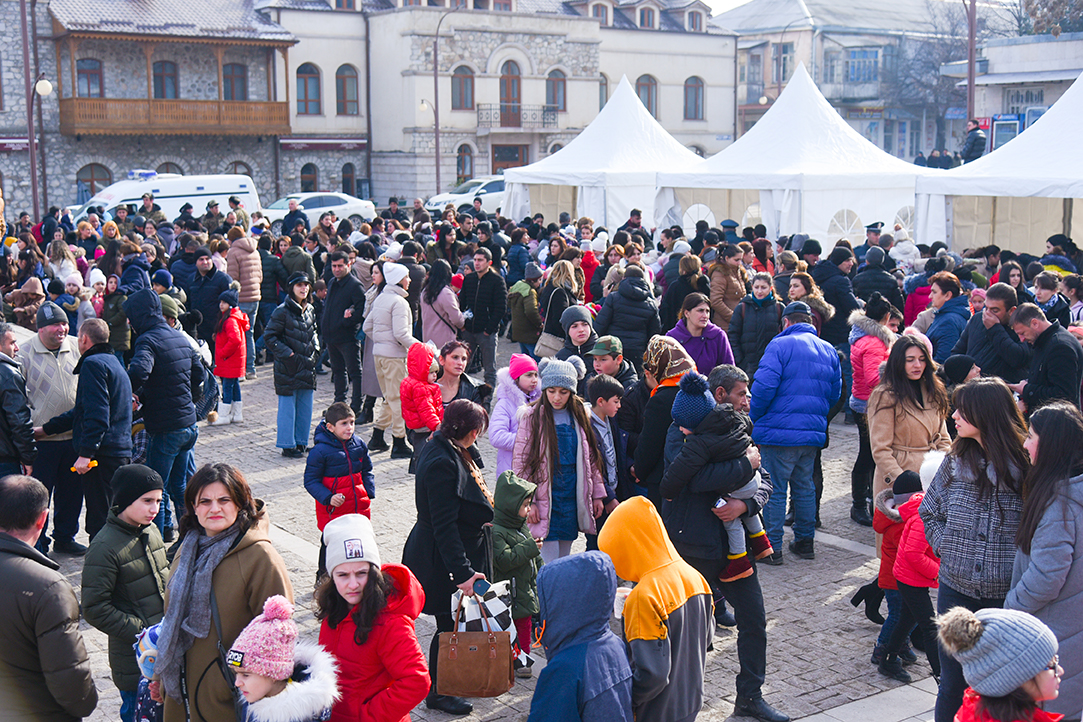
(227,19)
(898,16)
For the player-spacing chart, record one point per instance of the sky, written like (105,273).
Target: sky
(721,6)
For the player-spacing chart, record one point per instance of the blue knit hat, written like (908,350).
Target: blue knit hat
(693,401)
(162,277)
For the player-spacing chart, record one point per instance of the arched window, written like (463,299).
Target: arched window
(165,80)
(464,164)
(510,94)
(309,178)
(95,176)
(170,168)
(308,90)
(647,90)
(695,22)
(554,148)
(693,98)
(349,179)
(603,91)
(91,82)
(601,12)
(238,167)
(346,90)
(234,81)
(462,88)
(556,91)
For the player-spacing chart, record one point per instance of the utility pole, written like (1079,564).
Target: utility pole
(971,52)
(436,89)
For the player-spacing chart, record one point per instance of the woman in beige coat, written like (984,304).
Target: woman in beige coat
(727,285)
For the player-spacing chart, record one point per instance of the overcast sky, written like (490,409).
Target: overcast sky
(721,6)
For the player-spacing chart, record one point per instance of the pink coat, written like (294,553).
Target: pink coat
(867,353)
(440,321)
(589,483)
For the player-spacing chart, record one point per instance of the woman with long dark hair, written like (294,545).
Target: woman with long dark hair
(441,319)
(370,382)
(1047,578)
(729,284)
(453,382)
(1012,274)
(972,510)
(803,288)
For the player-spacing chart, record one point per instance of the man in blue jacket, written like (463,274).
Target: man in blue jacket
(798,381)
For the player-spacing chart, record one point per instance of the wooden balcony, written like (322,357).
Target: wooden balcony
(118,116)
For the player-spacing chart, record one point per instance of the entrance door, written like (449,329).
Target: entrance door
(509,156)
(510,95)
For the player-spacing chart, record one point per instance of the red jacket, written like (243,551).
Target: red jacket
(886,521)
(386,677)
(229,346)
(421,404)
(588,264)
(969,711)
(915,563)
(916,302)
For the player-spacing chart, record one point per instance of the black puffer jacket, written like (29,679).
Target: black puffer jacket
(164,367)
(631,314)
(650,448)
(274,274)
(680,289)
(551,303)
(874,278)
(16,431)
(840,294)
(291,337)
(752,327)
(487,297)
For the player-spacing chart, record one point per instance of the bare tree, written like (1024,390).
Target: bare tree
(1055,16)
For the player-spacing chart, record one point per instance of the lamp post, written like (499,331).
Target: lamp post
(40,87)
(436,87)
(971,52)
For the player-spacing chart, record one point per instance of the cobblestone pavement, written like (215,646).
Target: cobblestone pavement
(818,645)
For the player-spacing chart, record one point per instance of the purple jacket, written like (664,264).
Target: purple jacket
(709,350)
(504,421)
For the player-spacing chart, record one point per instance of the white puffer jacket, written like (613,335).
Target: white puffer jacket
(389,323)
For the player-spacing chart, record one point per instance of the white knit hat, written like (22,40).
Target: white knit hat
(394,273)
(350,538)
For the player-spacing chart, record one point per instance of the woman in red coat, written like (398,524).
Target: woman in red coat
(367,613)
(230,355)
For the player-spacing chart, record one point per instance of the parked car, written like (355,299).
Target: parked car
(314,205)
(171,191)
(489,188)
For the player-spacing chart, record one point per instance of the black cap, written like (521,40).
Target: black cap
(202,252)
(299,277)
(132,481)
(875,226)
(811,247)
(796,307)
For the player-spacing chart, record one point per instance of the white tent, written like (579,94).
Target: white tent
(1018,195)
(605,171)
(800,169)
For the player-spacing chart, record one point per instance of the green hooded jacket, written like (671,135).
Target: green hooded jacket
(516,555)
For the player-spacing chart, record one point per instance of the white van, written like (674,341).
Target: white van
(171,191)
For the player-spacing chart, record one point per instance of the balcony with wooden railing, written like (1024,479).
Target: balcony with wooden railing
(120,116)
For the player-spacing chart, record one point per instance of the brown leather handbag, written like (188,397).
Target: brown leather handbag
(475,664)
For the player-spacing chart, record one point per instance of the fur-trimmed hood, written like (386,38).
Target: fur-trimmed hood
(507,388)
(885,503)
(862,325)
(820,306)
(313,689)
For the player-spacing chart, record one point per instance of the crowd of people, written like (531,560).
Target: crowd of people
(671,398)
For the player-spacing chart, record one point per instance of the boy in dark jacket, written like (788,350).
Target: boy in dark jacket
(516,555)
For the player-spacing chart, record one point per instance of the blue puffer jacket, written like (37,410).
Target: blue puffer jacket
(136,274)
(797,383)
(101,421)
(338,467)
(164,368)
(947,327)
(517,258)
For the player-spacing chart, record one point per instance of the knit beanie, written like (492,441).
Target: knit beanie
(693,401)
(265,646)
(574,314)
(978,294)
(394,273)
(905,486)
(811,247)
(96,276)
(55,287)
(999,649)
(146,649)
(555,373)
(235,234)
(49,313)
(350,538)
(520,364)
(875,257)
(162,277)
(74,279)
(957,367)
(132,481)
(231,297)
(840,255)
(170,309)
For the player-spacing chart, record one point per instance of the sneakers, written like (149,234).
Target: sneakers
(293,453)
(907,656)
(877,655)
(738,567)
(761,545)
(802,548)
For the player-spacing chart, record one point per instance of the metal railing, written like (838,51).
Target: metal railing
(516,115)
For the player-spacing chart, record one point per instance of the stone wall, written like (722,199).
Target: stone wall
(329,165)
(546,50)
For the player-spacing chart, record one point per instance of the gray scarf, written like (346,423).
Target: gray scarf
(189,615)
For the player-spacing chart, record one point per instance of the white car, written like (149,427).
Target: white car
(490,189)
(316,204)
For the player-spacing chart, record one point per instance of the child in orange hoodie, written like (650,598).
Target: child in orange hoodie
(422,407)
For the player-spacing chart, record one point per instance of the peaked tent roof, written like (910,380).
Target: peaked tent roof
(801,142)
(623,145)
(1044,160)
(759,16)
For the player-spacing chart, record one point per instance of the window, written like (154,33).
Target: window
(464,164)
(90,78)
(832,67)
(346,90)
(695,22)
(601,12)
(647,90)
(239,168)
(349,179)
(510,95)
(308,90)
(234,81)
(309,178)
(863,66)
(646,18)
(462,88)
(1017,100)
(95,177)
(781,59)
(693,99)
(603,91)
(344,4)
(555,91)
(170,168)
(554,148)
(165,80)
(502,6)
(408,3)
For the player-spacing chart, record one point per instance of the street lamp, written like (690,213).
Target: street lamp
(41,87)
(436,87)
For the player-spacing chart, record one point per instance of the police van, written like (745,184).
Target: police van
(171,191)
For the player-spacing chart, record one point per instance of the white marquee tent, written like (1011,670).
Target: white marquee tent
(801,169)
(605,171)
(1018,195)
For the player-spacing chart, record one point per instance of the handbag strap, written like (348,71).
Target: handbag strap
(218,628)
(484,615)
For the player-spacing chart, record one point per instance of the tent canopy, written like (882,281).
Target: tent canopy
(613,164)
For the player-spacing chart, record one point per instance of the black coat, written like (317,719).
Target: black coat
(274,274)
(417,282)
(974,146)
(1056,370)
(289,222)
(997,351)
(16,431)
(101,420)
(203,297)
(650,449)
(630,415)
(487,297)
(839,293)
(551,304)
(290,336)
(448,543)
(597,282)
(342,294)
(631,314)
(873,279)
(751,328)
(1059,312)
(676,293)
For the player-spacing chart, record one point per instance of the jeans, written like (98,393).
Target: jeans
(486,343)
(170,454)
(120,357)
(847,371)
(231,390)
(528,349)
(53,468)
(346,366)
(264,314)
(952,684)
(98,491)
(746,598)
(250,309)
(864,467)
(294,419)
(127,706)
(894,609)
(917,608)
(790,466)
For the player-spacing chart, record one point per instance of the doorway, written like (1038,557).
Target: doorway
(509,156)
